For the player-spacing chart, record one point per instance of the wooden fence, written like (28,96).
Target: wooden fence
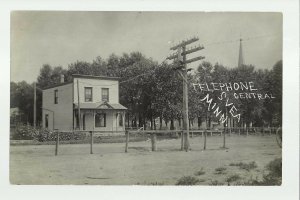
(153,134)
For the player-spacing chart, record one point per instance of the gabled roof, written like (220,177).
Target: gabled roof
(100,106)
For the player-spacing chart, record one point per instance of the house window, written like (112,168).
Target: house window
(100,120)
(55,96)
(105,94)
(46,120)
(88,94)
(120,119)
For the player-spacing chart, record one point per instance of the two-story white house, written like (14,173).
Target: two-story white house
(86,103)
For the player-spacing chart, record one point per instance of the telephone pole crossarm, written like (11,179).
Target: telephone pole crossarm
(194,59)
(184,43)
(192,50)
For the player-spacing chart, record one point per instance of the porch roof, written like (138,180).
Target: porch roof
(101,106)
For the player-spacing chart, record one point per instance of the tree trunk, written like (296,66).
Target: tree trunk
(145,123)
(160,123)
(199,122)
(172,125)
(151,119)
(140,120)
(179,123)
(135,121)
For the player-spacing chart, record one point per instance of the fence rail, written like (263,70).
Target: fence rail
(155,133)
(203,132)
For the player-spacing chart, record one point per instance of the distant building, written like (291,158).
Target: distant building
(97,103)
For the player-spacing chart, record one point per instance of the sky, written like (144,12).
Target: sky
(59,38)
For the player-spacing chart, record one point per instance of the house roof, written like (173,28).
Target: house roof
(101,106)
(57,85)
(95,77)
(82,76)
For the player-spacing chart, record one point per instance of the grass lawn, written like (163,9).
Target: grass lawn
(109,165)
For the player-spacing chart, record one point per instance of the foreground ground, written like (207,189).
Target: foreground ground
(109,165)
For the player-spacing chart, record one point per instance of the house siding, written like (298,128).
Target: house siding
(62,111)
(97,85)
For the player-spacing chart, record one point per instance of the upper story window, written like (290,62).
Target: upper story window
(105,94)
(55,96)
(88,94)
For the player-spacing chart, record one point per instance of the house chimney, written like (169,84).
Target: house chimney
(62,78)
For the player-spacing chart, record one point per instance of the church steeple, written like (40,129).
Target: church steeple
(241,57)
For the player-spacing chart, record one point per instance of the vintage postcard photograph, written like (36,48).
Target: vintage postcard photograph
(146,98)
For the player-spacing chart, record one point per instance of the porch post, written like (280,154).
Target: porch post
(117,119)
(124,120)
(93,120)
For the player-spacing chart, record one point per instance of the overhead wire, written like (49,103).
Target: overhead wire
(130,79)
(209,44)
(243,39)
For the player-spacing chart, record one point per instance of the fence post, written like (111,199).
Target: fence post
(224,146)
(57,143)
(205,134)
(127,141)
(92,141)
(239,131)
(153,141)
(182,141)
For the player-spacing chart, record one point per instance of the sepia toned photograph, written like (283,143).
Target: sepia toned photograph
(146,98)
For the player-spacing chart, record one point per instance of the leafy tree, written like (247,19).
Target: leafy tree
(273,107)
(22,97)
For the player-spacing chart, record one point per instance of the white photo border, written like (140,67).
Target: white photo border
(290,187)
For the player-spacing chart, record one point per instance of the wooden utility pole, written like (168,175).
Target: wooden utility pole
(34,105)
(78,104)
(182,69)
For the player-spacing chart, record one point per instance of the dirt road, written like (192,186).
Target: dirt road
(109,165)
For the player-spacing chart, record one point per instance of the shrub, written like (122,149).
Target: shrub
(187,180)
(274,175)
(275,167)
(220,170)
(200,172)
(216,182)
(245,166)
(47,135)
(232,178)
(23,132)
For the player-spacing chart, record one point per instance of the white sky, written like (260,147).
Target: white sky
(60,38)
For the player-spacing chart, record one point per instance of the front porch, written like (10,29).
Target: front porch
(99,117)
